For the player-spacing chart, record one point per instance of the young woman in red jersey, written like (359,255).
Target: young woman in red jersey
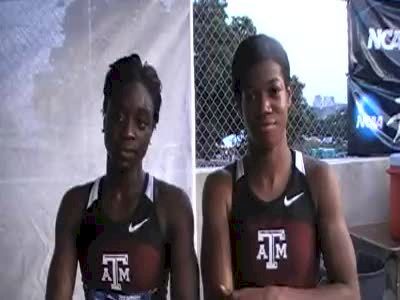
(269,216)
(128,231)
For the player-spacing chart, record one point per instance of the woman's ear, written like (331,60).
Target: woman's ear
(104,120)
(290,95)
(238,103)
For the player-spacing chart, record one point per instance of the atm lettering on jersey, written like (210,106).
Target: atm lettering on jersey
(115,270)
(272,247)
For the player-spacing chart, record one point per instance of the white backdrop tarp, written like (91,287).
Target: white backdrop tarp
(53,58)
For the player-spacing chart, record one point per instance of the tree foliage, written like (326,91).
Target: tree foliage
(216,38)
(215,41)
(302,119)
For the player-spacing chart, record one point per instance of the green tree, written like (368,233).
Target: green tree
(307,129)
(215,41)
(301,119)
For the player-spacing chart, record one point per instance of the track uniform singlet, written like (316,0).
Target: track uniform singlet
(274,242)
(127,260)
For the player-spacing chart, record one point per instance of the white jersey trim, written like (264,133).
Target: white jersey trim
(150,188)
(239,169)
(299,162)
(94,191)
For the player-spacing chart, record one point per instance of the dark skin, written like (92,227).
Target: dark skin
(128,127)
(265,101)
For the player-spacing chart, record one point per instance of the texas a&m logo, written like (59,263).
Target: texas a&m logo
(272,247)
(115,270)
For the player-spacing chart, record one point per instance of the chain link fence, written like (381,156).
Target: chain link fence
(220,135)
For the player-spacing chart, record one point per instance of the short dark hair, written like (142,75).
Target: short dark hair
(252,50)
(130,69)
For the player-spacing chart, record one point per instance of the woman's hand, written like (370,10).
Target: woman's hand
(266,293)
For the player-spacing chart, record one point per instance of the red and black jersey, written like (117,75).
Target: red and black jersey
(274,242)
(123,260)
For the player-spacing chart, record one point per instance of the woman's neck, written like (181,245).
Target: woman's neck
(269,164)
(124,183)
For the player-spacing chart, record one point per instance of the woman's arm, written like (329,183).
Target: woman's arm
(215,247)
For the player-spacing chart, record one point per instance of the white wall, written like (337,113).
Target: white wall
(364,190)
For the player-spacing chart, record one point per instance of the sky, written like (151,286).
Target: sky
(314,34)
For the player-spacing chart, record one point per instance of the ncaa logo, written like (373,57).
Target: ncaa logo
(386,39)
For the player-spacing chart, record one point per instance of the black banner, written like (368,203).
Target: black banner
(374,77)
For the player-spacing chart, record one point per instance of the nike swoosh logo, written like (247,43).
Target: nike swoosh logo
(290,201)
(137,226)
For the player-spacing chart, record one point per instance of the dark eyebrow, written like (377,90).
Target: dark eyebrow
(273,80)
(144,110)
